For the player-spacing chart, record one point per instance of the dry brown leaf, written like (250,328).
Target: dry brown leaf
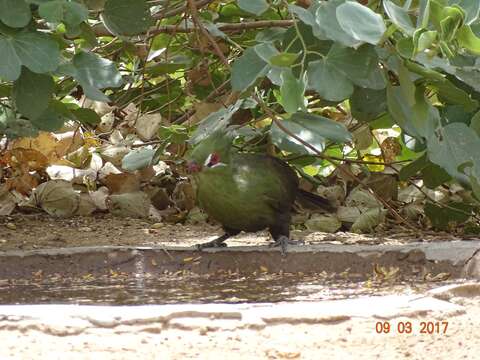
(122,183)
(23,183)
(390,148)
(25,159)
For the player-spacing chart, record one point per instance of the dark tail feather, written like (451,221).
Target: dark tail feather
(310,199)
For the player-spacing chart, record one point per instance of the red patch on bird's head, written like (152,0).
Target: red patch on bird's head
(212,159)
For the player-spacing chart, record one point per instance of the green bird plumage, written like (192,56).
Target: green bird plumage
(244,191)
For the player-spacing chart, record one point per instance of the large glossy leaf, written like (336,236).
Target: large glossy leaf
(471,8)
(51,119)
(453,146)
(246,69)
(312,129)
(218,120)
(328,25)
(93,73)
(32,93)
(360,22)
(368,104)
(126,17)
(399,16)
(257,7)
(419,119)
(360,66)
(10,66)
(292,91)
(15,13)
(328,82)
(468,40)
(266,51)
(72,13)
(37,51)
(442,217)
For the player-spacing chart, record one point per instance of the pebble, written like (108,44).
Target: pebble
(157,225)
(3,241)
(11,226)
(85,229)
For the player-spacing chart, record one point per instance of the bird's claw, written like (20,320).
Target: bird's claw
(284,242)
(211,244)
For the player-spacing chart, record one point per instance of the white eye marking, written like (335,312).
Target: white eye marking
(207,160)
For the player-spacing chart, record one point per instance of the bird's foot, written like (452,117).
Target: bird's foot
(284,242)
(216,243)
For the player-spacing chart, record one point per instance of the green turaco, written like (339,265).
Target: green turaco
(245,191)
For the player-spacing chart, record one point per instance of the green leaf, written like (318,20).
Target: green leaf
(10,65)
(433,175)
(37,51)
(399,17)
(454,145)
(93,73)
(467,39)
(328,82)
(328,25)
(410,108)
(452,18)
(313,129)
(449,93)
(52,11)
(360,22)
(266,51)
(218,120)
(471,8)
(257,7)
(75,13)
(70,12)
(32,93)
(411,169)
(443,218)
(425,40)
(15,13)
(360,65)
(126,17)
(246,69)
(368,104)
(283,59)
(138,159)
(303,14)
(475,123)
(51,119)
(292,91)
(14,127)
(86,116)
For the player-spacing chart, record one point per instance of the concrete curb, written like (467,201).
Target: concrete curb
(460,259)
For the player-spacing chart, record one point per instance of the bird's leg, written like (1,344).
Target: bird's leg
(218,242)
(281,235)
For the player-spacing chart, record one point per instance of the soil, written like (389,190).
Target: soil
(37,231)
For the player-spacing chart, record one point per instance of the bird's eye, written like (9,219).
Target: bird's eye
(212,160)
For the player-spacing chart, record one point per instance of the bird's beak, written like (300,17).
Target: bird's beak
(193,167)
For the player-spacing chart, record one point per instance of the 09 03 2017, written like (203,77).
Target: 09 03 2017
(407,327)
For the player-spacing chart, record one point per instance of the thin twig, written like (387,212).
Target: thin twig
(196,20)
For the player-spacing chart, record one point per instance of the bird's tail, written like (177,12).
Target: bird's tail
(313,200)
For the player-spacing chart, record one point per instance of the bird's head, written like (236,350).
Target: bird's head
(211,152)
(213,160)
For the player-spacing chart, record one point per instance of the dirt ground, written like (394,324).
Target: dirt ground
(36,231)
(351,339)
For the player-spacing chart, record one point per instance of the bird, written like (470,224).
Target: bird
(245,191)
